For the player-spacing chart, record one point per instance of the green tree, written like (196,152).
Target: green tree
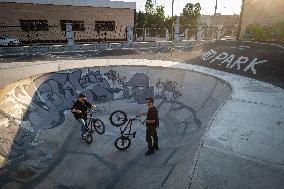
(140,19)
(149,7)
(255,32)
(159,21)
(270,32)
(140,23)
(150,11)
(190,17)
(279,32)
(168,24)
(160,13)
(153,19)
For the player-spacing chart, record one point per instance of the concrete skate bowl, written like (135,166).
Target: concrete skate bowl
(41,145)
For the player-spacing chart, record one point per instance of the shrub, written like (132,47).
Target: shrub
(270,32)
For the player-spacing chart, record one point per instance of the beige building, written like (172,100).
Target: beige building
(220,20)
(218,26)
(261,12)
(44,20)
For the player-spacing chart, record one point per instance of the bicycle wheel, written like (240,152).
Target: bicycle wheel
(118,118)
(122,143)
(89,139)
(99,126)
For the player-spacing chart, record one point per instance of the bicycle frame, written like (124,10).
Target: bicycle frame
(129,127)
(89,121)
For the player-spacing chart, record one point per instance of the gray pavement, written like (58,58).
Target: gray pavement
(218,130)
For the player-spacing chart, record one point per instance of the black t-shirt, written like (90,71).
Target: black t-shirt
(152,115)
(83,107)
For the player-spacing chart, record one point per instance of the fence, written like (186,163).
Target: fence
(207,33)
(57,34)
(151,34)
(90,33)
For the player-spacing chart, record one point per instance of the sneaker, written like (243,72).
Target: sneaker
(85,135)
(149,152)
(156,148)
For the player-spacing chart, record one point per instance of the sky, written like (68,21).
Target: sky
(225,7)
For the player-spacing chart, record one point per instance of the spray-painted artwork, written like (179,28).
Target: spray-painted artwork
(232,61)
(40,104)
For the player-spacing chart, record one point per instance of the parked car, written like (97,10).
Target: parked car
(227,37)
(9,41)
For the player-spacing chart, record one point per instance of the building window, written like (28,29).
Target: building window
(76,25)
(104,25)
(34,25)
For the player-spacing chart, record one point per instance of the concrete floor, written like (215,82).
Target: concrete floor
(232,139)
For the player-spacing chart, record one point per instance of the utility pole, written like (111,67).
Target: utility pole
(241,20)
(216,7)
(215,17)
(172,28)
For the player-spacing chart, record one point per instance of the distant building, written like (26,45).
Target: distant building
(44,20)
(218,26)
(263,12)
(223,21)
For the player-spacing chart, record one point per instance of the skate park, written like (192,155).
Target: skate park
(214,68)
(207,129)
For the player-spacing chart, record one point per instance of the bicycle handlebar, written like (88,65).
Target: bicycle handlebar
(92,111)
(137,118)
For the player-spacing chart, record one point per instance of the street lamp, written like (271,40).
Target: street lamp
(216,7)
(172,28)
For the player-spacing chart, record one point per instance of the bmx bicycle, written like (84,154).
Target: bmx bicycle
(93,124)
(119,118)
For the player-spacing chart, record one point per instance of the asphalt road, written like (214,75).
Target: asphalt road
(260,61)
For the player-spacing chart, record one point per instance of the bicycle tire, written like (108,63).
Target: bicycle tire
(122,143)
(89,139)
(99,127)
(116,115)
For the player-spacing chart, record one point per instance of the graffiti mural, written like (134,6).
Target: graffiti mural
(185,117)
(115,77)
(13,139)
(168,89)
(137,88)
(41,104)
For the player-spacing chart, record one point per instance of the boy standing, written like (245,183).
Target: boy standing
(152,122)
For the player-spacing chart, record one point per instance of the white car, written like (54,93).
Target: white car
(8,41)
(227,37)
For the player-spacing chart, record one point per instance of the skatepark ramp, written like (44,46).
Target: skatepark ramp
(41,145)
(217,129)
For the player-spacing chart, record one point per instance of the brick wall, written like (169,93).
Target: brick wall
(11,13)
(262,12)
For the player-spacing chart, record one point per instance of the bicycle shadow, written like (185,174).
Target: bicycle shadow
(35,114)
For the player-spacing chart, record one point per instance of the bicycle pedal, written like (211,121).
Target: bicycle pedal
(134,134)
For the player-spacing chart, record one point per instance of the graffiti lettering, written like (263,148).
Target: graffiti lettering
(241,60)
(231,61)
(44,100)
(115,77)
(208,55)
(221,56)
(169,86)
(252,64)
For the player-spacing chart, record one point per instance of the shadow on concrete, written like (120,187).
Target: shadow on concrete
(40,143)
